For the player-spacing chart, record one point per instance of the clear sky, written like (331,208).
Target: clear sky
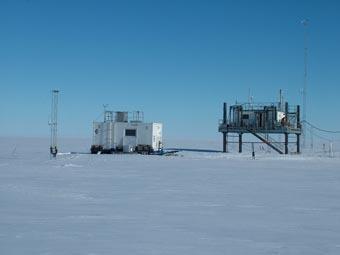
(178,61)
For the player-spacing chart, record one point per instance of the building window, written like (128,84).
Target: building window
(245,116)
(130,132)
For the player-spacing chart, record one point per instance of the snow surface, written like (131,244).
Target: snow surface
(195,203)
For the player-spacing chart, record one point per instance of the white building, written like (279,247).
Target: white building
(121,135)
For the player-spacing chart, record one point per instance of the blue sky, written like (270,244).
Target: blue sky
(178,61)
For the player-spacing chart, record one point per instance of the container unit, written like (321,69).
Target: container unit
(121,135)
(141,136)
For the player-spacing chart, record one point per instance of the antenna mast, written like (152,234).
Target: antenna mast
(281,100)
(54,123)
(304,91)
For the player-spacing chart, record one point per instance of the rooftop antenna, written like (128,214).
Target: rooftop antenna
(105,107)
(304,90)
(250,97)
(280,100)
(54,123)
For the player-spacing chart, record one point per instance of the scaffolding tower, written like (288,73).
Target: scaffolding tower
(54,123)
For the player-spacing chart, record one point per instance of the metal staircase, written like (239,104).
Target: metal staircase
(275,145)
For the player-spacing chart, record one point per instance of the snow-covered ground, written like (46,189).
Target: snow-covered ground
(194,203)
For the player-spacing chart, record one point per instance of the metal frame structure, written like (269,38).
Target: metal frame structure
(54,123)
(305,80)
(261,120)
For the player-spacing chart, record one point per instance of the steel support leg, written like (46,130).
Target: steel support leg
(225,142)
(240,143)
(286,143)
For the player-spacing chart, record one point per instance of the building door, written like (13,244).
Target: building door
(130,138)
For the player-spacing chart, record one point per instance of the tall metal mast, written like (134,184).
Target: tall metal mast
(304,91)
(54,123)
(281,106)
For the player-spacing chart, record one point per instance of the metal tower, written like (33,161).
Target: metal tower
(54,123)
(304,91)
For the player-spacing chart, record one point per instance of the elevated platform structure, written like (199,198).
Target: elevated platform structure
(262,120)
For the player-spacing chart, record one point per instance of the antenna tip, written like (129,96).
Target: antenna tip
(305,22)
